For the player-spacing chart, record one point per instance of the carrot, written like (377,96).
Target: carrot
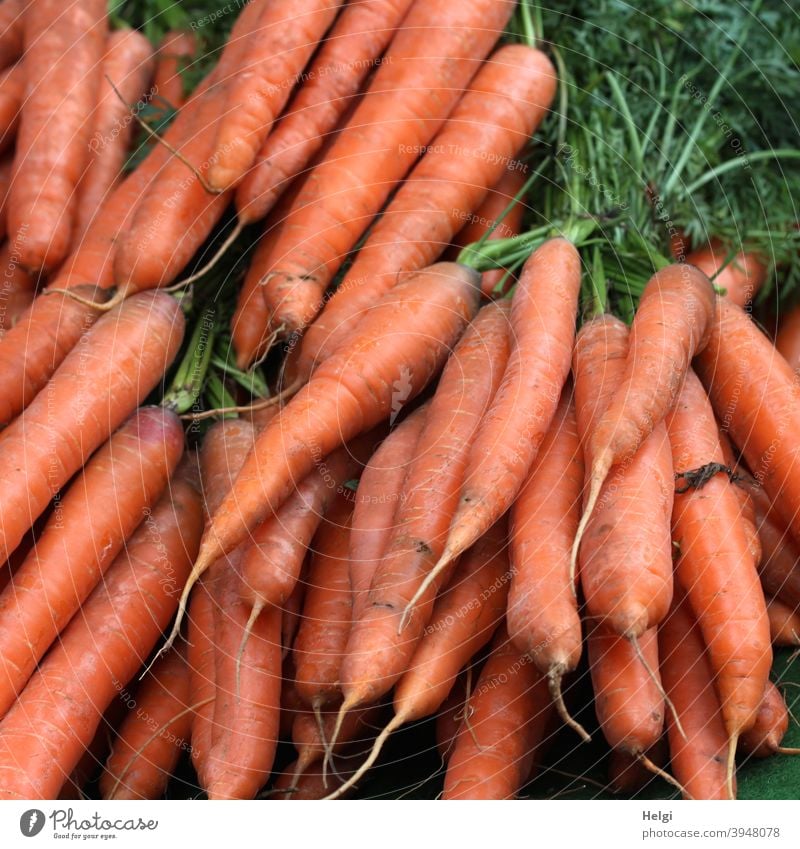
(175,52)
(105,505)
(741,278)
(64,49)
(716,567)
(671,325)
(628,701)
(395,613)
(288,32)
(493,219)
(787,340)
(543,330)
(17,288)
(129,349)
(12,34)
(327,611)
(247,709)
(508,715)
(463,621)
(354,45)
(542,613)
(753,391)
(433,56)
(43,736)
(247,677)
(127,67)
(779,571)
(698,756)
(377,502)
(784,623)
(772,722)
(152,736)
(12,94)
(292,611)
(271,563)
(407,334)
(515,88)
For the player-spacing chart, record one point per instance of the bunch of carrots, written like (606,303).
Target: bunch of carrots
(471,480)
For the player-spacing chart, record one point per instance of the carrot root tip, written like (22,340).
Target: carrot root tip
(554,679)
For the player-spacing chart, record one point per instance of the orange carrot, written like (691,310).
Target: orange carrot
(542,614)
(44,735)
(784,623)
(772,722)
(377,502)
(486,222)
(628,701)
(327,610)
(395,613)
(505,723)
(62,74)
(128,67)
(288,32)
(105,504)
(699,754)
(17,288)
(271,563)
(788,339)
(175,52)
(671,325)
(741,278)
(353,46)
(292,611)
(432,58)
(515,88)
(96,387)
(247,712)
(716,567)
(753,391)
(464,619)
(11,31)
(406,335)
(543,331)
(628,774)
(12,94)
(780,575)
(152,736)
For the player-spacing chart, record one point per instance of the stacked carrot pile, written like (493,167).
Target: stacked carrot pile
(448,501)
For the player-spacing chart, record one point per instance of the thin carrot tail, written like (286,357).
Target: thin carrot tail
(248,630)
(283,395)
(100,306)
(380,740)
(731,771)
(162,141)
(654,678)
(444,561)
(785,750)
(600,470)
(212,263)
(197,572)
(554,677)
(316,707)
(662,773)
(348,704)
